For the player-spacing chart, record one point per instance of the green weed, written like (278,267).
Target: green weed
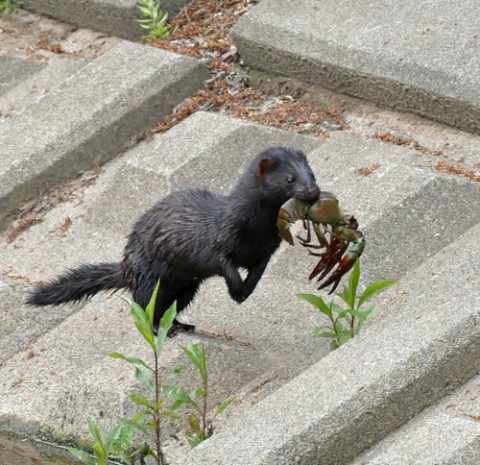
(346,322)
(154,19)
(202,428)
(162,400)
(8,7)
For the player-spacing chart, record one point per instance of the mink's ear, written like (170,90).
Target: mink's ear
(264,166)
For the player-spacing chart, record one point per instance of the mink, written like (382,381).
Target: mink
(194,234)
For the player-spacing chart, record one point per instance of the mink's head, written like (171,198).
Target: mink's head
(284,173)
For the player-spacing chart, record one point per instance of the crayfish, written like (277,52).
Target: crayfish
(336,233)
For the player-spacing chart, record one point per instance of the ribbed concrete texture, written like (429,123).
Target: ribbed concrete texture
(13,70)
(91,117)
(293,405)
(404,391)
(449,434)
(426,345)
(421,57)
(112,17)
(26,89)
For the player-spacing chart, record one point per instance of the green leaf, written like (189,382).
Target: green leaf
(94,430)
(196,353)
(115,433)
(157,35)
(335,308)
(353,283)
(317,302)
(334,344)
(343,337)
(346,295)
(357,314)
(138,419)
(100,454)
(141,322)
(167,389)
(374,289)
(145,23)
(222,407)
(366,315)
(113,440)
(171,414)
(138,422)
(327,334)
(192,440)
(369,311)
(154,19)
(81,455)
(198,392)
(141,400)
(338,326)
(343,314)
(185,398)
(194,423)
(323,328)
(349,293)
(176,372)
(165,325)
(145,378)
(150,308)
(133,360)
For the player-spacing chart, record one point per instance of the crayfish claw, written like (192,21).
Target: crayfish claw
(329,281)
(329,260)
(324,266)
(345,265)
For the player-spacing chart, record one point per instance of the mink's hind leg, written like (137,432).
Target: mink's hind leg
(165,299)
(183,297)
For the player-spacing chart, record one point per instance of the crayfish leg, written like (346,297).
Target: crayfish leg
(306,242)
(322,240)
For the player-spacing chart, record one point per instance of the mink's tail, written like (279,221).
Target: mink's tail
(78,284)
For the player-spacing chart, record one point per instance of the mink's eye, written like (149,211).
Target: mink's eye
(291,180)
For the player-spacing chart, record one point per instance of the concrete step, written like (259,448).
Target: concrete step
(33,88)
(14,70)
(297,402)
(425,346)
(216,159)
(420,57)
(114,99)
(447,433)
(112,17)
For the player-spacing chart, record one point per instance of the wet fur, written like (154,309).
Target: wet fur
(194,234)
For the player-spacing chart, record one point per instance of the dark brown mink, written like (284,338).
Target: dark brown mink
(194,234)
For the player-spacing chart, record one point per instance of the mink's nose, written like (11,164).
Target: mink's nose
(312,193)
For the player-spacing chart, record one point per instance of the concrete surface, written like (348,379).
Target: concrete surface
(414,355)
(407,387)
(22,93)
(445,434)
(14,70)
(265,337)
(112,17)
(115,100)
(422,57)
